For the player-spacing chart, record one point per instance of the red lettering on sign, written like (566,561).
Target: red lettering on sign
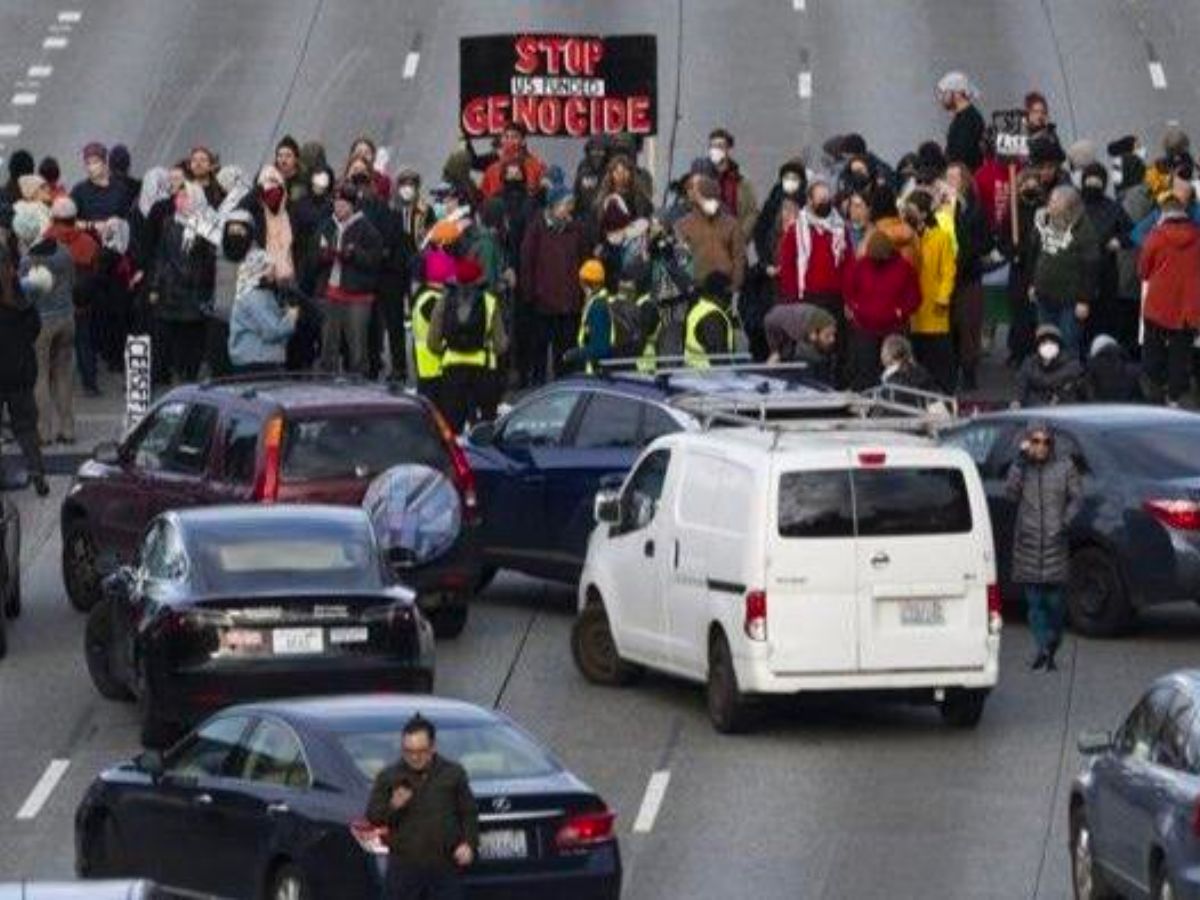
(614,115)
(595,52)
(474,116)
(575,116)
(573,57)
(527,54)
(525,113)
(549,116)
(498,113)
(639,115)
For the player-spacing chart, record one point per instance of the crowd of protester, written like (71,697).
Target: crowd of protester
(506,272)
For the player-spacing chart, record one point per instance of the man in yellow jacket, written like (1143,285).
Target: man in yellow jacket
(930,324)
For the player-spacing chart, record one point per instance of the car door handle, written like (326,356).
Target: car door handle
(880,559)
(648,549)
(202,799)
(277,809)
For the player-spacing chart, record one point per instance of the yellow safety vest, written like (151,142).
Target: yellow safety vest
(482,357)
(694,354)
(429,364)
(648,360)
(601,296)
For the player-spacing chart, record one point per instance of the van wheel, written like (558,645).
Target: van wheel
(79,568)
(1086,880)
(288,883)
(96,637)
(448,621)
(595,650)
(1096,598)
(727,705)
(963,708)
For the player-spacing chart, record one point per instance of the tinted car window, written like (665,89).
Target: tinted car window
(162,553)
(1158,452)
(485,750)
(149,447)
(240,449)
(1140,731)
(815,505)
(609,422)
(273,755)
(646,484)
(977,440)
(190,452)
(541,422)
(359,445)
(656,423)
(207,752)
(1171,748)
(894,502)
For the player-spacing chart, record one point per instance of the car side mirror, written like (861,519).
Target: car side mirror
(119,585)
(482,434)
(152,763)
(608,507)
(108,453)
(613,481)
(1091,743)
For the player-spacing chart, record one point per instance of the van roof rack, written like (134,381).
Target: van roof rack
(282,377)
(668,368)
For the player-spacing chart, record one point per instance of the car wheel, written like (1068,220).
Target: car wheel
(963,708)
(1086,880)
(727,706)
(448,621)
(288,883)
(157,732)
(104,856)
(595,650)
(1096,598)
(79,570)
(97,637)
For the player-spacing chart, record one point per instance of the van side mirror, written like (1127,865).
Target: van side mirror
(608,507)
(1091,743)
(151,762)
(108,453)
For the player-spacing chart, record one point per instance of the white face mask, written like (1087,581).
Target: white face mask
(320,183)
(1140,153)
(791,184)
(1048,351)
(717,155)
(408,193)
(1116,176)
(710,206)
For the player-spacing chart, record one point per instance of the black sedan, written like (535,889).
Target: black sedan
(266,800)
(238,603)
(1136,541)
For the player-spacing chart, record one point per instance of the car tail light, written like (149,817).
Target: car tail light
(756,616)
(995,608)
(464,478)
(1181,514)
(872,458)
(585,830)
(267,488)
(372,838)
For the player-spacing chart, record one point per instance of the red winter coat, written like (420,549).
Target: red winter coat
(1170,264)
(881,295)
(825,274)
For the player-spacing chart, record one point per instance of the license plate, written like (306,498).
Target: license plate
(348,635)
(242,640)
(286,641)
(504,844)
(922,612)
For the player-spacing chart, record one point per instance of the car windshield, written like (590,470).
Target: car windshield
(1161,453)
(239,557)
(359,445)
(487,750)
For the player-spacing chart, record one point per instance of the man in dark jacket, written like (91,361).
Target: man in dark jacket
(351,251)
(802,333)
(1110,375)
(1067,260)
(964,139)
(19,328)
(1050,376)
(1112,227)
(425,803)
(1048,494)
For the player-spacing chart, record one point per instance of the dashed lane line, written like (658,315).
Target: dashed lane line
(652,800)
(410,64)
(43,789)
(1158,76)
(55,42)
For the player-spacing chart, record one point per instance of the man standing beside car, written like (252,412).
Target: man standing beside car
(1048,494)
(427,806)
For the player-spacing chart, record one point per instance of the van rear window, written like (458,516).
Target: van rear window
(359,445)
(896,502)
(815,504)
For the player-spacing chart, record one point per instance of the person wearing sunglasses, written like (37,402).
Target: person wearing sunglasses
(1046,488)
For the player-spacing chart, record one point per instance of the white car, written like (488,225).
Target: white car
(774,561)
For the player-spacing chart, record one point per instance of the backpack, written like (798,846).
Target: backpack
(627,327)
(464,327)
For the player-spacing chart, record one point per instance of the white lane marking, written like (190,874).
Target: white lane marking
(411,62)
(59,29)
(800,5)
(43,789)
(55,43)
(70,16)
(804,85)
(656,789)
(10,130)
(27,98)
(1158,77)
(40,71)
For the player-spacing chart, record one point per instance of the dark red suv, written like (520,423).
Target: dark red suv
(266,440)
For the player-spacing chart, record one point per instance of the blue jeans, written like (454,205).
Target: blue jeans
(1047,613)
(1064,320)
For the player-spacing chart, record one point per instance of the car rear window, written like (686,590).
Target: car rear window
(897,502)
(1157,452)
(485,750)
(359,445)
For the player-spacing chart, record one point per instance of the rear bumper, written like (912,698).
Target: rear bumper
(451,578)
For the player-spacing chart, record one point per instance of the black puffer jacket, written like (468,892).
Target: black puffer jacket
(1039,384)
(1048,496)
(19,329)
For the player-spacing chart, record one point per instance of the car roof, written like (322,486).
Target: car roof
(1097,416)
(346,712)
(299,394)
(783,440)
(269,513)
(667,386)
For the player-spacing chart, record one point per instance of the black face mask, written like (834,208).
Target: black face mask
(1032,198)
(236,246)
(360,178)
(822,209)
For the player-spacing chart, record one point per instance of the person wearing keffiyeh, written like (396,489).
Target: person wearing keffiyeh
(813,254)
(259,326)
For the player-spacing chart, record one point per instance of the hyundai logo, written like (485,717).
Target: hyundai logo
(501,804)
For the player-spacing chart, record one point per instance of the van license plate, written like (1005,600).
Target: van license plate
(289,641)
(504,844)
(922,612)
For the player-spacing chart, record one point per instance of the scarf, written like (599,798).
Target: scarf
(832,225)
(278,226)
(156,186)
(250,273)
(335,274)
(1054,239)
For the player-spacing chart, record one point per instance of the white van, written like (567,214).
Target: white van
(771,561)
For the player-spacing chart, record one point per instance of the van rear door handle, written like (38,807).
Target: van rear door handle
(648,549)
(677,554)
(277,809)
(202,799)
(880,559)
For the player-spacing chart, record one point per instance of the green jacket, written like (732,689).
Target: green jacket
(440,816)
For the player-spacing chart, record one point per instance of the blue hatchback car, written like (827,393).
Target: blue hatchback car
(538,467)
(1135,806)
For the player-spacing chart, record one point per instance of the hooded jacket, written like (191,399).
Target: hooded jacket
(1110,376)
(1170,264)
(882,289)
(1050,384)
(767,231)
(1067,260)
(936,267)
(1048,496)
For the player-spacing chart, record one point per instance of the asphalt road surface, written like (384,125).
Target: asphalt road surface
(825,800)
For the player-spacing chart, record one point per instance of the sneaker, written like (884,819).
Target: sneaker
(1040,661)
(1051,665)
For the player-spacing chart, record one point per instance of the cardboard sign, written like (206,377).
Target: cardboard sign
(138,391)
(1012,134)
(559,85)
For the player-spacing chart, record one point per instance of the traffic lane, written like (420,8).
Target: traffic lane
(1171,31)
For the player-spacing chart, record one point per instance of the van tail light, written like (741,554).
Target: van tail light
(266,490)
(464,478)
(372,838)
(1181,514)
(585,830)
(756,616)
(995,608)
(1196,818)
(872,457)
